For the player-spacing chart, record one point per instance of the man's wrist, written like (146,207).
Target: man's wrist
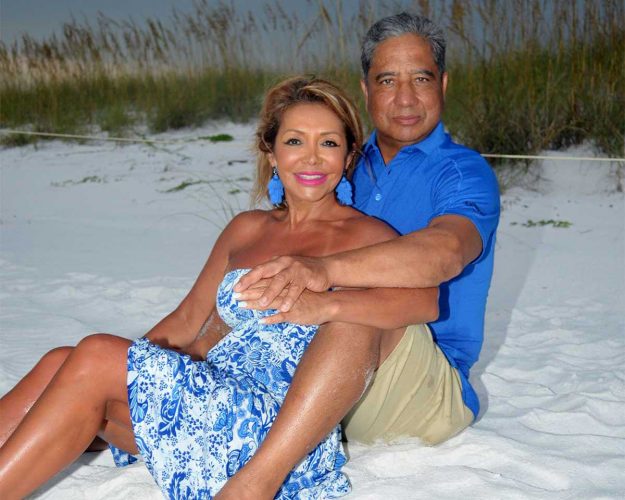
(330,307)
(329,266)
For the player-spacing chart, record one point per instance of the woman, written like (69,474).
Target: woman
(196,396)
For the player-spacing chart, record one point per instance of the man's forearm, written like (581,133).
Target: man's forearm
(417,260)
(384,308)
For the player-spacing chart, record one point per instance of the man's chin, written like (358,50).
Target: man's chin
(410,136)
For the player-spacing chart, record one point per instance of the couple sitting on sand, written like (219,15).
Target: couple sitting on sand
(371,318)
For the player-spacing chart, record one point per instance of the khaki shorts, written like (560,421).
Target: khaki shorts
(414,393)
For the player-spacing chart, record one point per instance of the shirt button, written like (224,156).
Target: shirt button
(378,197)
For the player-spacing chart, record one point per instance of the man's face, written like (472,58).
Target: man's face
(404,92)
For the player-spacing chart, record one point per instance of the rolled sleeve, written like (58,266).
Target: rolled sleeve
(468,187)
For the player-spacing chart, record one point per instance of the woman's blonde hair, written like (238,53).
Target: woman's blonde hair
(298,90)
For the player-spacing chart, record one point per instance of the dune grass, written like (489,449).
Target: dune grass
(525,75)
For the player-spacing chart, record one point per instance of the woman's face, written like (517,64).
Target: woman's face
(310,152)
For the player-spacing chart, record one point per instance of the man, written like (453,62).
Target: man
(443,199)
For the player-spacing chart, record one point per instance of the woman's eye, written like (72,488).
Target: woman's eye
(330,143)
(292,142)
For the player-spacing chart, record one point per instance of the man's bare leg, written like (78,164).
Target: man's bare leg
(67,416)
(331,377)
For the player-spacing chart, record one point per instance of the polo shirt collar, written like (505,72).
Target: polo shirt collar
(427,145)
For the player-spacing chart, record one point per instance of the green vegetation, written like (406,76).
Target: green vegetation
(185,184)
(542,223)
(217,138)
(85,180)
(525,75)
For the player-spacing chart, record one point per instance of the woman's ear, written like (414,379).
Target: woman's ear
(271,159)
(350,156)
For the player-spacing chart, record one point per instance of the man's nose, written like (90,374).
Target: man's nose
(406,95)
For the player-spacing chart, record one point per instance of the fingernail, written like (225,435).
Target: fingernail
(262,321)
(236,295)
(242,304)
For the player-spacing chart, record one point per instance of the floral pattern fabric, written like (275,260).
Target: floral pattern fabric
(197,423)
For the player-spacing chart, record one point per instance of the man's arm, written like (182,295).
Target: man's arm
(384,308)
(422,259)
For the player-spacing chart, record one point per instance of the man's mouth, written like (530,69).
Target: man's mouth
(407,120)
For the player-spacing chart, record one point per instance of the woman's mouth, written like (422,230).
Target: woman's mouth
(310,178)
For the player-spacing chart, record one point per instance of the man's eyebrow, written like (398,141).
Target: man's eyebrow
(384,74)
(423,71)
(418,71)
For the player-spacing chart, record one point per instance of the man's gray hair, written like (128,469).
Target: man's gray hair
(403,24)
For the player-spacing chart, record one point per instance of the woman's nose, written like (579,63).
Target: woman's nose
(312,156)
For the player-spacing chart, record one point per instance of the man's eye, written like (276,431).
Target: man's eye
(422,79)
(386,81)
(292,142)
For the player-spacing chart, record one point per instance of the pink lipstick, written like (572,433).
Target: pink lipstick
(311,178)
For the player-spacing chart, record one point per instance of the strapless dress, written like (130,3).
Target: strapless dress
(196,423)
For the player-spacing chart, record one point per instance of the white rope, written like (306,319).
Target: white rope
(110,139)
(195,139)
(564,158)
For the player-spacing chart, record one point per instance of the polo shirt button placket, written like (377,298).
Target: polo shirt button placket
(378,197)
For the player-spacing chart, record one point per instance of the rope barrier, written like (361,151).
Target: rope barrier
(564,158)
(195,139)
(109,139)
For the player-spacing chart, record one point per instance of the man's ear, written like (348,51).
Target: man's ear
(365,91)
(444,80)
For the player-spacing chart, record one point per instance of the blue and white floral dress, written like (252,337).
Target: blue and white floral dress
(197,423)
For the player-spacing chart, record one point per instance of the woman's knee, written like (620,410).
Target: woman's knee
(101,353)
(359,342)
(92,351)
(53,359)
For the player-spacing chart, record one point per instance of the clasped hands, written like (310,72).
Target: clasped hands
(296,287)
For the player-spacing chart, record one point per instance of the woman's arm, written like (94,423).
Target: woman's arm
(180,328)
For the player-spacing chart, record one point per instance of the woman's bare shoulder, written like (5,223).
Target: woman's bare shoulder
(370,230)
(249,218)
(244,225)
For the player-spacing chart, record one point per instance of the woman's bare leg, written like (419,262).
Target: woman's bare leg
(14,405)
(68,415)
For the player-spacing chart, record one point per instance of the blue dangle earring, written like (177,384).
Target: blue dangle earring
(276,189)
(344,192)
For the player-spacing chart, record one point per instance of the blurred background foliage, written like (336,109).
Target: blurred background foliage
(525,75)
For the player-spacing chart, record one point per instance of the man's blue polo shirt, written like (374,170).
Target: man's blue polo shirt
(425,180)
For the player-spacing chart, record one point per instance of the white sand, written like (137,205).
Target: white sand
(115,253)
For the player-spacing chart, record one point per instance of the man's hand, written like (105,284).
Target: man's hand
(311,308)
(291,275)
